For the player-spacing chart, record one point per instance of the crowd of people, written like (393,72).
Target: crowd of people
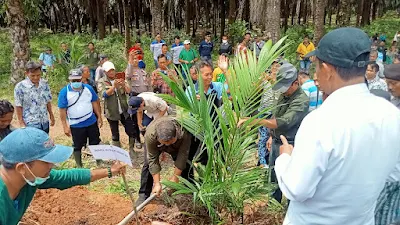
(331,140)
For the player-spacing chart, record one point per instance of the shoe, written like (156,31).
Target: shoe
(140,200)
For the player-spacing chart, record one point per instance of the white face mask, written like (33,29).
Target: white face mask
(224,41)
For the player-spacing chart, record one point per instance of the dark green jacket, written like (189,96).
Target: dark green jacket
(289,113)
(111,109)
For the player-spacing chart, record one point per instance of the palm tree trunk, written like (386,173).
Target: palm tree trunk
(359,12)
(100,19)
(366,13)
(156,12)
(319,20)
(120,11)
(273,18)
(127,27)
(223,17)
(187,17)
(19,39)
(232,11)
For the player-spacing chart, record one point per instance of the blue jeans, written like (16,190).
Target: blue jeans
(263,154)
(305,64)
(93,74)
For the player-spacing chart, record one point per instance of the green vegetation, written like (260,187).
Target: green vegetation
(113,46)
(229,180)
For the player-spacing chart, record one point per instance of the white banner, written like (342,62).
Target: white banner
(110,152)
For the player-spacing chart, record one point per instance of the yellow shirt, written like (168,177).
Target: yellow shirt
(216,73)
(303,50)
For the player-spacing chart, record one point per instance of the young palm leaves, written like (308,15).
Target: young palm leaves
(230,177)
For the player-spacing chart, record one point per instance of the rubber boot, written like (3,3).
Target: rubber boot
(131,144)
(78,158)
(132,152)
(116,143)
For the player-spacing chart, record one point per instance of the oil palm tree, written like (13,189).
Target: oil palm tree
(229,179)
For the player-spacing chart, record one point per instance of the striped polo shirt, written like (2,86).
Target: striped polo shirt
(311,91)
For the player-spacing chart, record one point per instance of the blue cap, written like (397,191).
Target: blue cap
(30,144)
(134,104)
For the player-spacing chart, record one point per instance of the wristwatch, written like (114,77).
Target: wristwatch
(109,172)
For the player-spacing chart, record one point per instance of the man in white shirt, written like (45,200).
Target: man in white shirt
(346,149)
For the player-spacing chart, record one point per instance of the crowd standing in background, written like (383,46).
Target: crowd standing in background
(300,139)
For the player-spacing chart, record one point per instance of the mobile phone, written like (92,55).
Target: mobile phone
(120,75)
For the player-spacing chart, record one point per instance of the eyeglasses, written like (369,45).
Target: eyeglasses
(76,80)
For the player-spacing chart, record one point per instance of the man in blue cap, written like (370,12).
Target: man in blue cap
(27,156)
(346,149)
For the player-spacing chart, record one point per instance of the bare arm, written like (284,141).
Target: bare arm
(97,109)
(50,110)
(162,113)
(269,123)
(19,116)
(139,116)
(116,169)
(110,91)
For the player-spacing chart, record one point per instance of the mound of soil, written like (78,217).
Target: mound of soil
(79,206)
(76,206)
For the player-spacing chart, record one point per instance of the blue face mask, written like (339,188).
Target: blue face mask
(76,85)
(38,180)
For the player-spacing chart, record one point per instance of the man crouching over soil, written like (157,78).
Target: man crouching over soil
(163,135)
(27,156)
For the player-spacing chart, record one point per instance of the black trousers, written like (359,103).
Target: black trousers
(130,124)
(82,134)
(146,179)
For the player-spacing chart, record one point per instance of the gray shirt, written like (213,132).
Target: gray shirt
(137,79)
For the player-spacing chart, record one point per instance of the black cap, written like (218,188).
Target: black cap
(287,74)
(32,65)
(342,46)
(392,72)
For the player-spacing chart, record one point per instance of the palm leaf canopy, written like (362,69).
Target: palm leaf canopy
(230,177)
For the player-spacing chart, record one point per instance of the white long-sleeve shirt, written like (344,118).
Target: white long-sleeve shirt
(344,152)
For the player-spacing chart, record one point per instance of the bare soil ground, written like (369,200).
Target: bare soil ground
(105,202)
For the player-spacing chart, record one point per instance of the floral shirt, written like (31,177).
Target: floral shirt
(377,83)
(33,101)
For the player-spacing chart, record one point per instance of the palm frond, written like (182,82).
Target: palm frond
(228,179)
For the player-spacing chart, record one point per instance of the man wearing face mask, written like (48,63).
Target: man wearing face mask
(27,166)
(225,47)
(79,103)
(290,110)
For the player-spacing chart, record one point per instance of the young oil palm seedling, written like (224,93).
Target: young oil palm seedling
(230,178)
